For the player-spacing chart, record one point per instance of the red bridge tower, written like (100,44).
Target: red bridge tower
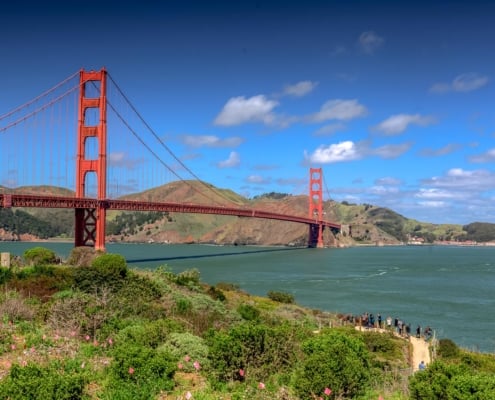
(315,207)
(90,222)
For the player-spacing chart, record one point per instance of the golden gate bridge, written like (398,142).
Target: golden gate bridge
(89,103)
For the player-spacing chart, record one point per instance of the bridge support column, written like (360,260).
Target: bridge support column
(90,223)
(315,207)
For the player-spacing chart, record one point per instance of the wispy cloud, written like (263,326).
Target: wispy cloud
(388,181)
(342,110)
(461,83)
(122,160)
(210,141)
(330,129)
(488,156)
(447,149)
(397,124)
(390,151)
(240,110)
(300,89)
(257,179)
(234,160)
(369,42)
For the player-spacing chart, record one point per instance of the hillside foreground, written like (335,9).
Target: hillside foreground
(94,329)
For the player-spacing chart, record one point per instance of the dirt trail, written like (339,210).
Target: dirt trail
(421,352)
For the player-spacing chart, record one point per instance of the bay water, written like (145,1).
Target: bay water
(449,288)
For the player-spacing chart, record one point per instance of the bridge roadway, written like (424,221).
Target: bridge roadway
(23,200)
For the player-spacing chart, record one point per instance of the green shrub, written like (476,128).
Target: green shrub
(189,278)
(187,348)
(335,360)
(248,312)
(452,381)
(106,270)
(112,265)
(447,349)
(51,381)
(40,256)
(5,275)
(138,372)
(216,294)
(281,297)
(256,348)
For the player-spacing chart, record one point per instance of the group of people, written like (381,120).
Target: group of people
(369,320)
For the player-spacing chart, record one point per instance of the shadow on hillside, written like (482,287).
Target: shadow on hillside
(140,260)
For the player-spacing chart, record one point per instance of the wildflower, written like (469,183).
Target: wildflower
(180,366)
(188,396)
(110,341)
(241,372)
(197,366)
(327,391)
(380,397)
(261,385)
(12,346)
(131,370)
(187,358)
(83,364)
(87,338)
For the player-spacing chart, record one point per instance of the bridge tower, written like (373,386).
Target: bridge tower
(315,207)
(90,222)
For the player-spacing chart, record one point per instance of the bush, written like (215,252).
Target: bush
(51,381)
(447,348)
(81,256)
(281,297)
(40,256)
(256,348)
(335,360)
(138,372)
(5,275)
(248,312)
(111,265)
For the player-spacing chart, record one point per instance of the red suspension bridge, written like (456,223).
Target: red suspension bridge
(38,141)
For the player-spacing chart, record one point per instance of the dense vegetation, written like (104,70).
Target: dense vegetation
(93,329)
(129,223)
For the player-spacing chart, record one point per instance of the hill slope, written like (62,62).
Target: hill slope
(363,223)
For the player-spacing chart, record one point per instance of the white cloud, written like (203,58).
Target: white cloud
(343,151)
(338,109)
(460,179)
(210,141)
(399,123)
(300,89)
(240,110)
(461,83)
(369,42)
(488,156)
(233,161)
(330,129)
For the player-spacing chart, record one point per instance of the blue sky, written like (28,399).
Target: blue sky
(394,100)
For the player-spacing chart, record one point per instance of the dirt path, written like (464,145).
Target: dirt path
(421,352)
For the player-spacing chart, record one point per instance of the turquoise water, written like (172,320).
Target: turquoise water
(450,289)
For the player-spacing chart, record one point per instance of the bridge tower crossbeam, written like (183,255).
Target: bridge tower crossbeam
(90,222)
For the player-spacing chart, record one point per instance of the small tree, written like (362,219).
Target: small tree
(40,256)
